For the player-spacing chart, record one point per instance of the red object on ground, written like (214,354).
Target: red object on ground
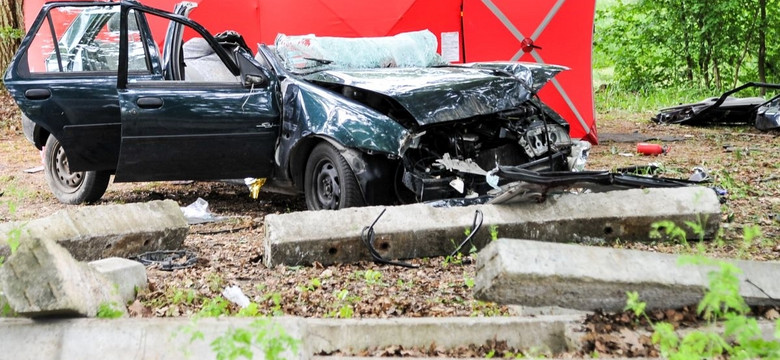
(650,149)
(544,31)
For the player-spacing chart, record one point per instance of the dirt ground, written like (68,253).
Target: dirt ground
(740,160)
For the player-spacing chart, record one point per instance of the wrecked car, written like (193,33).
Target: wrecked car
(346,122)
(727,110)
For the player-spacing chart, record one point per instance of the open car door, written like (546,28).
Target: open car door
(218,119)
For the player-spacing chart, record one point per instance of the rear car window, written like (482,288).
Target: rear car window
(84,39)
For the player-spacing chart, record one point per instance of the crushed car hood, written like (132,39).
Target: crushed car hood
(440,94)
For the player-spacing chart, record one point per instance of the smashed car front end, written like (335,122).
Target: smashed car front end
(462,122)
(453,125)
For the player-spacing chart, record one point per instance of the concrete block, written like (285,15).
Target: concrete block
(165,338)
(534,273)
(97,232)
(126,275)
(119,339)
(42,279)
(414,231)
(547,333)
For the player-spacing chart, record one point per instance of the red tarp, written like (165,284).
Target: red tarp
(562,30)
(470,30)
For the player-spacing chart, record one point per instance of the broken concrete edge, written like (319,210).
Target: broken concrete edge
(535,273)
(172,338)
(42,279)
(419,230)
(101,231)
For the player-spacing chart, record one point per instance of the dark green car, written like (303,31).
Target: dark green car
(347,122)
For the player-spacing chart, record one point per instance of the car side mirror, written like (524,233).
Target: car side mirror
(258,80)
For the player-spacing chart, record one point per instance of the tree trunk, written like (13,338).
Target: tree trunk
(11,17)
(762,45)
(686,44)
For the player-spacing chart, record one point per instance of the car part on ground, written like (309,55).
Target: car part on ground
(727,110)
(530,185)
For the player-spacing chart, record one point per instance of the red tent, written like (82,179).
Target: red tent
(544,31)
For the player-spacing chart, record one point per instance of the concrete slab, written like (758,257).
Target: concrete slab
(127,276)
(118,339)
(414,231)
(534,273)
(544,332)
(166,338)
(97,232)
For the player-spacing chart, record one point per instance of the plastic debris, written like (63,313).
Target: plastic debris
(236,296)
(492,179)
(198,213)
(254,186)
(34,170)
(699,175)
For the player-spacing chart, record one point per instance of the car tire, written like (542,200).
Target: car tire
(329,182)
(71,187)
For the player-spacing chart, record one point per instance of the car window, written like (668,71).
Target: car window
(197,60)
(87,39)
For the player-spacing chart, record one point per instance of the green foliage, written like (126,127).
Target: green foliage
(736,189)
(741,338)
(6,310)
(276,303)
(750,234)
(373,277)
(263,334)
(456,259)
(668,43)
(468,281)
(633,304)
(109,311)
(493,230)
(214,307)
(669,230)
(343,307)
(7,32)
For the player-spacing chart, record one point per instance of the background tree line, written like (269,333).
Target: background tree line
(715,44)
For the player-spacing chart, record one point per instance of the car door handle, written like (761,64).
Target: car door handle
(37,94)
(149,103)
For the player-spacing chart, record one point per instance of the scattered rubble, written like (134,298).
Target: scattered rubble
(97,232)
(535,273)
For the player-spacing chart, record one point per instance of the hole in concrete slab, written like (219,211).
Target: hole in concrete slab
(384,246)
(333,251)
(607,230)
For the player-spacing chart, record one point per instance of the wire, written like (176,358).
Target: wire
(368,236)
(475,226)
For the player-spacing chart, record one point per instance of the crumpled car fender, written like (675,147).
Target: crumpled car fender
(311,114)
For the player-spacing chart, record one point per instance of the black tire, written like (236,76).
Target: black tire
(329,182)
(71,187)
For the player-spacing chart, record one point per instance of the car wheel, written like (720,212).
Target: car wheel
(329,182)
(71,187)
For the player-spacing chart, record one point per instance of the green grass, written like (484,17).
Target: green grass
(612,97)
